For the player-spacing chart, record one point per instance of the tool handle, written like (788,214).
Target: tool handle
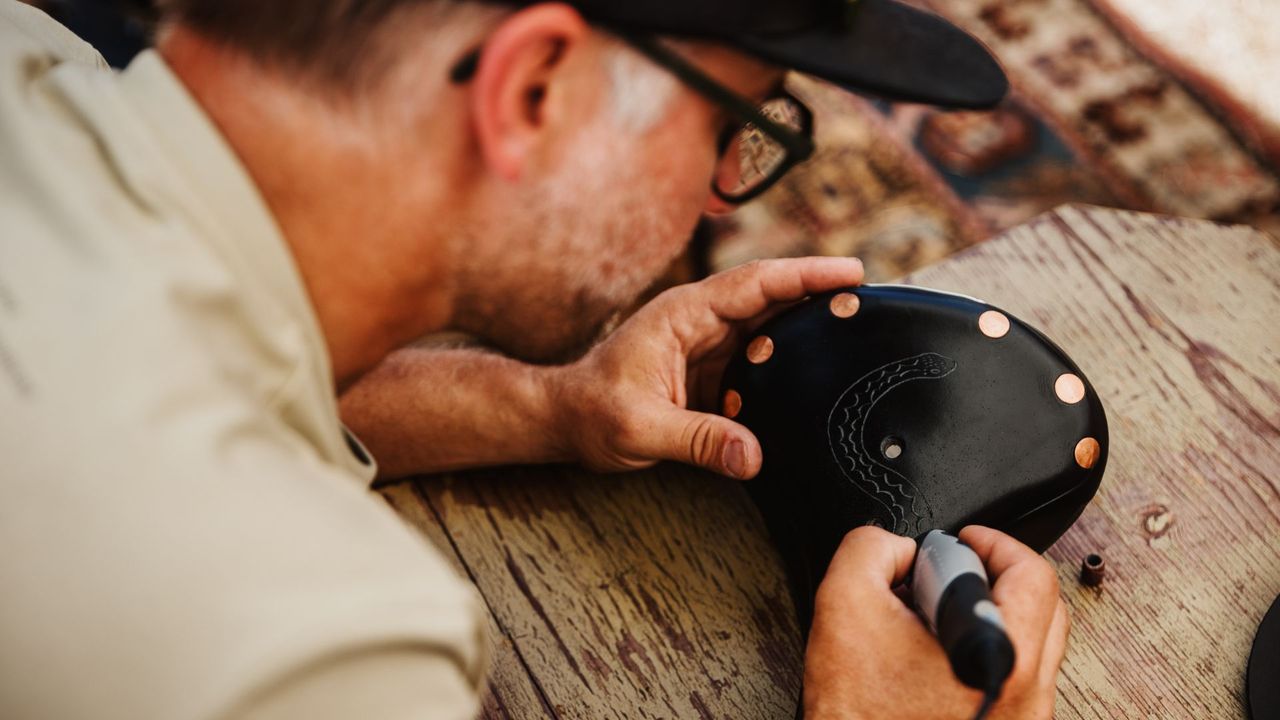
(951,590)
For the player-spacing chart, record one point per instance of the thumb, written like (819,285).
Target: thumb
(708,441)
(871,559)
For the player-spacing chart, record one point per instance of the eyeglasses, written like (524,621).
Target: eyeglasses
(762,144)
(765,141)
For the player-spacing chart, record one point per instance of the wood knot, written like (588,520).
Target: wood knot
(1156,521)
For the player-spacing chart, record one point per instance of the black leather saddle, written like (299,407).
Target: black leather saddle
(911,409)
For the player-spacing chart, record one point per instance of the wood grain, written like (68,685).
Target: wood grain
(657,595)
(654,595)
(1177,324)
(513,692)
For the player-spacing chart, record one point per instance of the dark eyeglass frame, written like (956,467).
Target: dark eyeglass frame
(799,145)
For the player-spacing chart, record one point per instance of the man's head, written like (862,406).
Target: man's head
(533,198)
(510,169)
(599,163)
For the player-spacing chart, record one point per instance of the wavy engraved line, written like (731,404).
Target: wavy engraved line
(892,490)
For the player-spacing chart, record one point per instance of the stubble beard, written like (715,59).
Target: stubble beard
(596,235)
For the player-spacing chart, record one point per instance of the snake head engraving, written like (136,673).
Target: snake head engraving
(905,510)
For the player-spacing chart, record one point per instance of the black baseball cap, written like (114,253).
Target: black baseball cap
(882,47)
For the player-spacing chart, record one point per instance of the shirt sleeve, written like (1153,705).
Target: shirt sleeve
(393,684)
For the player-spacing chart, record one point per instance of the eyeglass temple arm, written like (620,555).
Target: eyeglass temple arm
(796,143)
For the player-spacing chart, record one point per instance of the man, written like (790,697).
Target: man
(200,252)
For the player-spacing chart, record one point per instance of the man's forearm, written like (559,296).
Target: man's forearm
(430,410)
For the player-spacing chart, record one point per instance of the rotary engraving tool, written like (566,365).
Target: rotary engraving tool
(950,588)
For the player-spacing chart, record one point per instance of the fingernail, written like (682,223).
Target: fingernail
(735,458)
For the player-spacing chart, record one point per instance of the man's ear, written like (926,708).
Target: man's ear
(510,91)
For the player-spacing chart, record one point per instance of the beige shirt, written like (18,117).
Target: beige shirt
(186,531)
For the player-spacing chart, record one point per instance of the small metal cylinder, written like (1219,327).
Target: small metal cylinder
(1093,570)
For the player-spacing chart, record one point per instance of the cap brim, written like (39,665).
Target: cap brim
(894,51)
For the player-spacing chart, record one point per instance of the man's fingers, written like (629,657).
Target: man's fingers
(749,327)
(1024,585)
(699,315)
(698,318)
(1055,646)
(748,290)
(702,439)
(998,551)
(870,557)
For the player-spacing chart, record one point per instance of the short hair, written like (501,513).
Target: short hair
(341,42)
(348,45)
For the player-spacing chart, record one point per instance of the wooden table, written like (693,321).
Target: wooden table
(658,595)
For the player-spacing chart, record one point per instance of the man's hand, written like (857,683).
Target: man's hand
(870,656)
(625,405)
(634,399)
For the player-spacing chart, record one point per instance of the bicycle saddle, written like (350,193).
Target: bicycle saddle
(911,409)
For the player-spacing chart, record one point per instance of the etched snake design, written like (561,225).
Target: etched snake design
(909,512)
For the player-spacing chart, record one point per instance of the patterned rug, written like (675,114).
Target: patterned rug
(1095,116)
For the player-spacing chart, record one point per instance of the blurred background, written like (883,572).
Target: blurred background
(1170,107)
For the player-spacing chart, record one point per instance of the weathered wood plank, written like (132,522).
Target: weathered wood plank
(656,595)
(512,693)
(649,596)
(1177,324)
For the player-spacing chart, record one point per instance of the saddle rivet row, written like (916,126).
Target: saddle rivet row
(845,305)
(1069,388)
(732,404)
(760,350)
(993,324)
(1087,452)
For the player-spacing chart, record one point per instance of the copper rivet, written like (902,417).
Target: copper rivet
(760,349)
(1070,388)
(1087,452)
(732,404)
(845,305)
(993,324)
(1093,570)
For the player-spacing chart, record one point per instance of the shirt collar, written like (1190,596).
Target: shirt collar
(233,210)
(225,205)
